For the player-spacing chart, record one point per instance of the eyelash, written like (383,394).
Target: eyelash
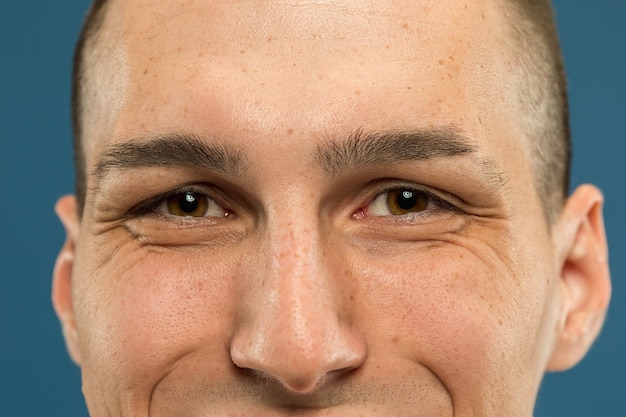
(151,205)
(441,204)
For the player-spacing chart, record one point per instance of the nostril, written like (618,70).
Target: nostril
(300,368)
(295,383)
(302,384)
(272,365)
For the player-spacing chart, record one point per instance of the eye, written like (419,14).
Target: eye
(404,200)
(189,204)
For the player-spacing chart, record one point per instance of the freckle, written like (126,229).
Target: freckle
(395,339)
(449,75)
(294,65)
(242,52)
(441,61)
(145,71)
(405,26)
(357,92)
(263,84)
(269,38)
(482,16)
(289,131)
(200,54)
(387,46)
(408,88)
(451,58)
(480,120)
(500,321)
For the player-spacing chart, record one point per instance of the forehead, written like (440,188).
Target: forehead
(234,22)
(277,65)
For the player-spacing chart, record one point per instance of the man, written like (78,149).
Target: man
(324,209)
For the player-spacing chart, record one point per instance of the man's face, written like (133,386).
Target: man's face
(367,238)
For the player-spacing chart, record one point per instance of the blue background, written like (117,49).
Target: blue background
(36,43)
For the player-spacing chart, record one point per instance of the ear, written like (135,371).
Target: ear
(585,286)
(66,210)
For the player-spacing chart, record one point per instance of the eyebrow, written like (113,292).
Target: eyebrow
(175,150)
(363,149)
(360,149)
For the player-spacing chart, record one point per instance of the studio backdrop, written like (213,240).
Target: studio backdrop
(37,37)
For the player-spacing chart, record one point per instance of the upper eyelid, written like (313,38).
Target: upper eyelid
(433,196)
(151,204)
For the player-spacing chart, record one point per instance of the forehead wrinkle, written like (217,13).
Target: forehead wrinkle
(174,150)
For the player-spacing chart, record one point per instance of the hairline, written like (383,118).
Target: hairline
(542,97)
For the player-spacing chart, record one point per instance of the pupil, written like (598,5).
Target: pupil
(189,203)
(407,200)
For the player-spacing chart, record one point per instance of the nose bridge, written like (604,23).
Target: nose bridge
(299,271)
(295,332)
(301,276)
(298,284)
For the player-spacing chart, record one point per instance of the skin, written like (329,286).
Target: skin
(299,294)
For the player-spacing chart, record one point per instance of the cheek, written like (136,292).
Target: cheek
(145,309)
(462,312)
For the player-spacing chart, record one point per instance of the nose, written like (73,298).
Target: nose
(294,328)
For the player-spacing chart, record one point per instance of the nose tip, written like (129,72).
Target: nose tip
(301,364)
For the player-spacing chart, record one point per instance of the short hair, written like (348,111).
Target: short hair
(539,80)
(88,39)
(542,97)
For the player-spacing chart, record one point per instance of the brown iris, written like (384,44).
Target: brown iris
(188,204)
(406,201)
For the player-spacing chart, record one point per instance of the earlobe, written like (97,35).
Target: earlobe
(584,277)
(62,275)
